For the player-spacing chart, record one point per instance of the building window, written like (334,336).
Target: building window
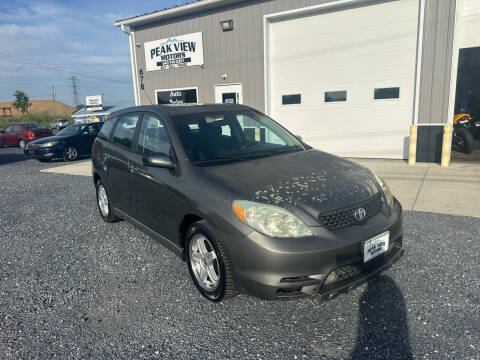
(176,96)
(386,93)
(332,96)
(291,99)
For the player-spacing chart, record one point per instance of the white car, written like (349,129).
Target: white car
(59,124)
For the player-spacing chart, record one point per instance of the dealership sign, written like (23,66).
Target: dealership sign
(177,96)
(174,52)
(94,102)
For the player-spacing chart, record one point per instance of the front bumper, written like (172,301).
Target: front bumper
(44,153)
(325,264)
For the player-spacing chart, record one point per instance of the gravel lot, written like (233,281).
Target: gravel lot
(72,286)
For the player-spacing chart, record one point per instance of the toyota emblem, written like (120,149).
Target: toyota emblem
(360,214)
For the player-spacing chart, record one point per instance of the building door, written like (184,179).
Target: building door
(229,94)
(344,80)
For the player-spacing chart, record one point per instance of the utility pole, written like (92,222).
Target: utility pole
(53,95)
(75,91)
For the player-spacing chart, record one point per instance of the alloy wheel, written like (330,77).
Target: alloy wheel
(72,153)
(204,262)
(103,201)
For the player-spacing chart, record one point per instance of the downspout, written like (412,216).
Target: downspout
(133,62)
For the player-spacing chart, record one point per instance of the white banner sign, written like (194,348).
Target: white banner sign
(174,52)
(94,102)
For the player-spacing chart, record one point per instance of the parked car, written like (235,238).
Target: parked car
(59,124)
(22,133)
(71,143)
(244,202)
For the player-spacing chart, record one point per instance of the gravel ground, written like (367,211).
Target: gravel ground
(72,286)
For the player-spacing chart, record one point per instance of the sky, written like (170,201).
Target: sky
(76,35)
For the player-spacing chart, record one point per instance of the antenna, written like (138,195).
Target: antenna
(75,91)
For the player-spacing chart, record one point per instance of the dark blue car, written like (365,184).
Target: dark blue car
(71,143)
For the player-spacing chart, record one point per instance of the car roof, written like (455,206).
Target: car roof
(182,109)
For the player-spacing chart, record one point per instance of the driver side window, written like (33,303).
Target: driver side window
(153,137)
(8,129)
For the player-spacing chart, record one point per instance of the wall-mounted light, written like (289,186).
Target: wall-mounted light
(226,25)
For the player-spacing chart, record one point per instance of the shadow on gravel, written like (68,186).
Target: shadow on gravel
(383,329)
(9,158)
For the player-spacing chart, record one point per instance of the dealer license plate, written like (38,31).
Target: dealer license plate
(376,246)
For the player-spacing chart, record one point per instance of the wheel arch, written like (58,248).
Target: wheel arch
(96,177)
(186,222)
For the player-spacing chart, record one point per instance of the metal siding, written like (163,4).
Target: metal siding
(238,53)
(436,61)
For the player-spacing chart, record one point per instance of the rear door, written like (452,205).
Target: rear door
(4,138)
(157,203)
(13,135)
(119,159)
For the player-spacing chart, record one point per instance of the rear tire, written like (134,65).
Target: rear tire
(217,283)
(467,139)
(21,143)
(70,153)
(104,204)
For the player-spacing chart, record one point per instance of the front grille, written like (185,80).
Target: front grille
(345,217)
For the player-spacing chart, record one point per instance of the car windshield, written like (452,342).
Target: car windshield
(223,136)
(72,130)
(33,126)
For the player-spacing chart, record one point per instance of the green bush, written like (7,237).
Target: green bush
(44,118)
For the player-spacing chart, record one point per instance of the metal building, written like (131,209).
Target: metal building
(349,76)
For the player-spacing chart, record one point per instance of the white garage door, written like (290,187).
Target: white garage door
(470,33)
(346,55)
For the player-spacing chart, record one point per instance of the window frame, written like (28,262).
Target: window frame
(293,104)
(335,102)
(134,134)
(164,122)
(388,99)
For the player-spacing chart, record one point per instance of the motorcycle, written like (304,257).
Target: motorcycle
(464,129)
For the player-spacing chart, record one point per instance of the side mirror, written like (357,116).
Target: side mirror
(158,160)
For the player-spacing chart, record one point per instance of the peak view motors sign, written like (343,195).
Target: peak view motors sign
(174,52)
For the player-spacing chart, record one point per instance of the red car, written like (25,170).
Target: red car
(21,134)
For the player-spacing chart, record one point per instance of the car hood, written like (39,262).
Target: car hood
(49,138)
(311,180)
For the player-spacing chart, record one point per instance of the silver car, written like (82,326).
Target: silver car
(59,124)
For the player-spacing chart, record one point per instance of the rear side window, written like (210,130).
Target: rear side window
(125,130)
(106,129)
(33,126)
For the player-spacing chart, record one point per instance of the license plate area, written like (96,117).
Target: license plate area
(376,246)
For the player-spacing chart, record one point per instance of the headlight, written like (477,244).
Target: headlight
(48,144)
(385,188)
(270,220)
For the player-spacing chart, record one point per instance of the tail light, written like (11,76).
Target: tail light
(93,145)
(30,134)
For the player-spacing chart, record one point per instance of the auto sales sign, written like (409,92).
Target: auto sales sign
(174,52)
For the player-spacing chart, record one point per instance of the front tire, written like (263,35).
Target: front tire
(22,144)
(208,263)
(70,153)
(104,204)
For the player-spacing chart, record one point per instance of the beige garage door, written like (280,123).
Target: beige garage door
(344,79)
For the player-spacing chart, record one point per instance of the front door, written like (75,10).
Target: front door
(229,94)
(155,201)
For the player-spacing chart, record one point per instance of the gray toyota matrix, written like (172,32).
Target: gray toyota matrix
(248,205)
